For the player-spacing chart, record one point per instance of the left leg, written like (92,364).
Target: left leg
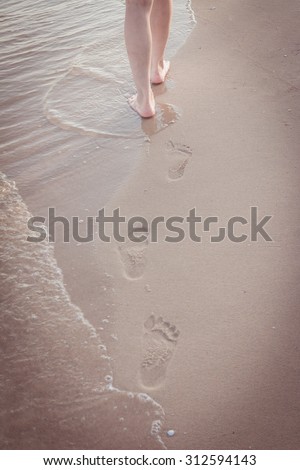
(139,45)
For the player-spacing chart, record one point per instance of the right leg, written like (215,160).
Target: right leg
(161,15)
(139,48)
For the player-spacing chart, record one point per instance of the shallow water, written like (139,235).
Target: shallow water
(56,382)
(65,64)
(67,135)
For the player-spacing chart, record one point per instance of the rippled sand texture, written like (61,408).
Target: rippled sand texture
(56,383)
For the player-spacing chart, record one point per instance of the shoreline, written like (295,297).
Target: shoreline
(100,404)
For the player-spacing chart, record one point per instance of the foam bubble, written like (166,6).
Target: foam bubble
(156,427)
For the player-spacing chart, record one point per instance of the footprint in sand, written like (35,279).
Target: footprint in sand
(179,155)
(160,340)
(133,258)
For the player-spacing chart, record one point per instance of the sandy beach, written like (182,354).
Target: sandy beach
(233,378)
(200,337)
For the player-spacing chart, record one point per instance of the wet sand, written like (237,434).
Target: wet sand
(211,330)
(64,70)
(208,330)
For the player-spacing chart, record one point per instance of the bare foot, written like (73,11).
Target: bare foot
(159,74)
(144,107)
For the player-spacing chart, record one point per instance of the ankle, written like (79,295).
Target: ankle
(157,64)
(145,96)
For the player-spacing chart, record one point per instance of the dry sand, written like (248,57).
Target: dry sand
(231,377)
